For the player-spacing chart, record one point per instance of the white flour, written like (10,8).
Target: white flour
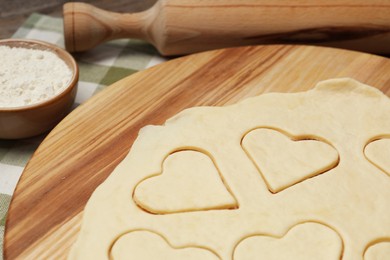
(30,76)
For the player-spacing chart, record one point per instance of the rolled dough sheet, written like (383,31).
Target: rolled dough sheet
(280,175)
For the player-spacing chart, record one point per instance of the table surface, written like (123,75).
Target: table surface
(14,13)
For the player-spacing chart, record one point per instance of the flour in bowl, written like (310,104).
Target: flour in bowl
(29,76)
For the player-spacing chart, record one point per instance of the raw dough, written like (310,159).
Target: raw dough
(190,181)
(378,251)
(309,240)
(302,158)
(347,196)
(378,152)
(148,245)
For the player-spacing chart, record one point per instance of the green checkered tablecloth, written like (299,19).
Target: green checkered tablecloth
(99,68)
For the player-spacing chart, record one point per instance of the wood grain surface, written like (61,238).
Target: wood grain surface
(47,207)
(177,27)
(14,13)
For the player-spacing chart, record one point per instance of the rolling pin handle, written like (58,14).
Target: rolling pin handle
(86,26)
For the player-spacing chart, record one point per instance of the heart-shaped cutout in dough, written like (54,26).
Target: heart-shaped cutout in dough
(190,181)
(378,251)
(147,245)
(284,161)
(304,241)
(378,153)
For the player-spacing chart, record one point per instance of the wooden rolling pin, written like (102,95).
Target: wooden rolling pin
(177,27)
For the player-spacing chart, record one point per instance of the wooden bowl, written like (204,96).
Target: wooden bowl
(37,118)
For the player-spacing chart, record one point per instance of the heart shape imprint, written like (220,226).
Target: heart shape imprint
(378,153)
(378,251)
(304,241)
(284,161)
(147,245)
(189,181)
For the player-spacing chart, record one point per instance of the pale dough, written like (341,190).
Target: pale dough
(185,185)
(309,240)
(378,251)
(320,188)
(148,245)
(301,159)
(378,152)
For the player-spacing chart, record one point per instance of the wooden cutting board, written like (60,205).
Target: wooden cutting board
(45,213)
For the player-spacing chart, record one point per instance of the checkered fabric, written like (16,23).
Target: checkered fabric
(99,68)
